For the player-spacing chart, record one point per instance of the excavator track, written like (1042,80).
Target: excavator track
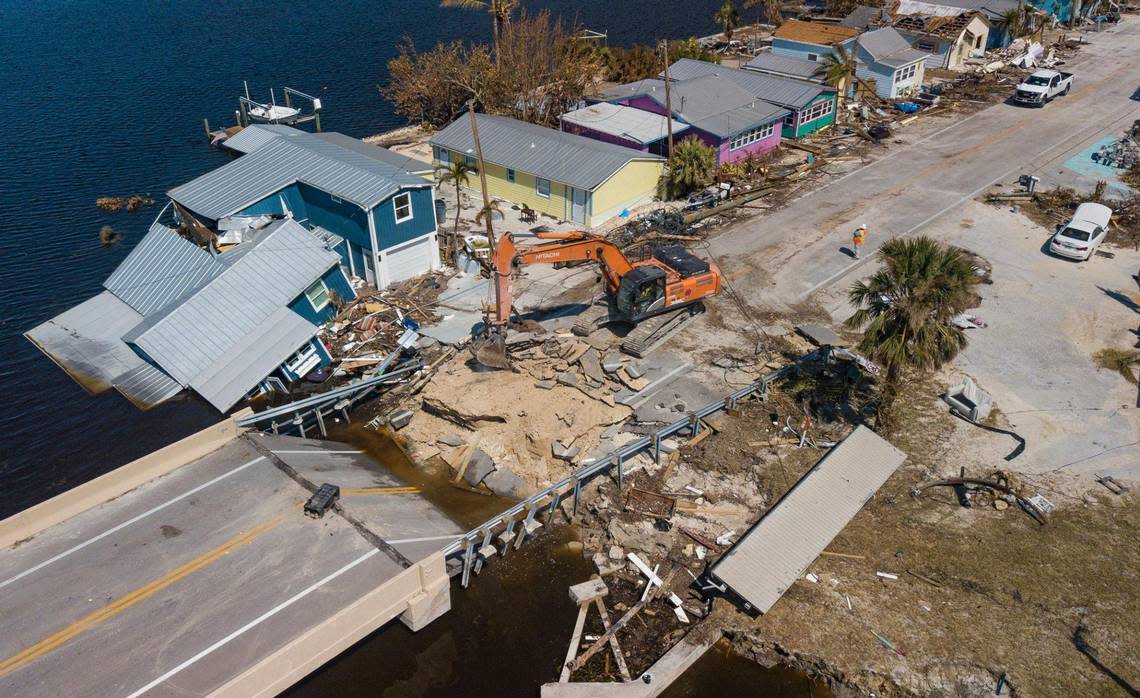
(590,319)
(651,332)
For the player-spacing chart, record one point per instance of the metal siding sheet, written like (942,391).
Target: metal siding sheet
(797,67)
(536,150)
(623,122)
(146,386)
(163,267)
(779,547)
(84,341)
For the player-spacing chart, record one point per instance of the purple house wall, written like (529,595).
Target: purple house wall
(723,154)
(606,137)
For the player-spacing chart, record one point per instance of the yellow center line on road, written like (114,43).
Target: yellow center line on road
(362,491)
(119,605)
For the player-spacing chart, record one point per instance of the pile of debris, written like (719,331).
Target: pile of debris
(130,204)
(1056,206)
(366,330)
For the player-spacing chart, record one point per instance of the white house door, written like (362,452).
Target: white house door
(411,259)
(578,206)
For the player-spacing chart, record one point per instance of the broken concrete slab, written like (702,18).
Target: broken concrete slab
(505,483)
(566,453)
(453,440)
(616,552)
(611,362)
(634,371)
(607,566)
(592,366)
(479,467)
(820,335)
(570,379)
(399,419)
(545,384)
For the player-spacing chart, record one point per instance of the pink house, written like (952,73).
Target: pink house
(720,113)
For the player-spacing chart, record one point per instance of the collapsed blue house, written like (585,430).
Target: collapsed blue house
(176,316)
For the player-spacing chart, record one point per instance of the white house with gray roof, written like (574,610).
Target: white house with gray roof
(886,58)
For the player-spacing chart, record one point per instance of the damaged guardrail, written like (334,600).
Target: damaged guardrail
(548,499)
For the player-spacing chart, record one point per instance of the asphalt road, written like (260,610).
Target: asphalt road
(785,258)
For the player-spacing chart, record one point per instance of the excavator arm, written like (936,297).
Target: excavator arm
(560,247)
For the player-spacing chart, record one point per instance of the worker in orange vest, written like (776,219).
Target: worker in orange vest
(858,238)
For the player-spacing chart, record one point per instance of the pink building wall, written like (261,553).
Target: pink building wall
(724,155)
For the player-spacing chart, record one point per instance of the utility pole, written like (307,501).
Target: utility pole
(668,104)
(486,196)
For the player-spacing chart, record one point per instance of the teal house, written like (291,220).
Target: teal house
(383,213)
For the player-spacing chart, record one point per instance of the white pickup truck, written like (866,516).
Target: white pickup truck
(1042,86)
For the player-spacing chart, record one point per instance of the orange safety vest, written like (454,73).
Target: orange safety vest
(858,236)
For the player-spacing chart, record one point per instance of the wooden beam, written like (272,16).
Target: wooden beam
(605,638)
(618,656)
(575,640)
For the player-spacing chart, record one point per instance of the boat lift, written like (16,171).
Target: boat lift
(292,113)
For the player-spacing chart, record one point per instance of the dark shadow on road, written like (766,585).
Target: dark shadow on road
(1121,299)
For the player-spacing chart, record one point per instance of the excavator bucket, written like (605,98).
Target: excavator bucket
(491,351)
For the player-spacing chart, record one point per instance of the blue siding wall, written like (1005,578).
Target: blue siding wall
(334,278)
(344,218)
(389,234)
(797,49)
(272,204)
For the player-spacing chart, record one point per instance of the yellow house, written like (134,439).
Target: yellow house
(569,177)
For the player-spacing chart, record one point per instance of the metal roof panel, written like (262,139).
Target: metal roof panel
(784,92)
(163,267)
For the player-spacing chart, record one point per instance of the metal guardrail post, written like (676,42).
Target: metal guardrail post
(577,490)
(467,555)
(508,535)
(694,424)
(300,424)
(321,423)
(479,558)
(657,447)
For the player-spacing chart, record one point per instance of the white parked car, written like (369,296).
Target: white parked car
(1082,235)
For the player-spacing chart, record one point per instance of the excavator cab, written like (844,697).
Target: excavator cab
(642,293)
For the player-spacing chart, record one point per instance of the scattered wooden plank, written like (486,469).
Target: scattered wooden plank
(621,622)
(618,656)
(575,641)
(849,556)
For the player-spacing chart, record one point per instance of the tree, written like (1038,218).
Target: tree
(728,17)
(433,88)
(772,10)
(458,172)
(690,167)
(500,10)
(1014,21)
(905,309)
(492,208)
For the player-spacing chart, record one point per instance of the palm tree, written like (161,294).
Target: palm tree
(905,308)
(838,71)
(501,12)
(728,17)
(493,206)
(690,167)
(458,172)
(1014,21)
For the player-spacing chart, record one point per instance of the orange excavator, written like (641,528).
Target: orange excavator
(656,295)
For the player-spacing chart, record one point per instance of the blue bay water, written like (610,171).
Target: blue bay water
(107,99)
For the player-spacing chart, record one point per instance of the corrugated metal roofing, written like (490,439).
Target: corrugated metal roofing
(889,47)
(820,33)
(146,386)
(715,104)
(323,164)
(994,9)
(561,157)
(864,17)
(785,92)
(163,267)
(634,89)
(254,136)
(375,152)
(189,339)
(265,347)
(799,68)
(84,341)
(779,547)
(623,122)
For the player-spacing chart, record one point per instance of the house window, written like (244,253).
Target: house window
(403,205)
(318,295)
(905,74)
(472,163)
(542,187)
(813,57)
(303,360)
(444,156)
(510,175)
(790,119)
(923,45)
(817,111)
(751,136)
(335,199)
